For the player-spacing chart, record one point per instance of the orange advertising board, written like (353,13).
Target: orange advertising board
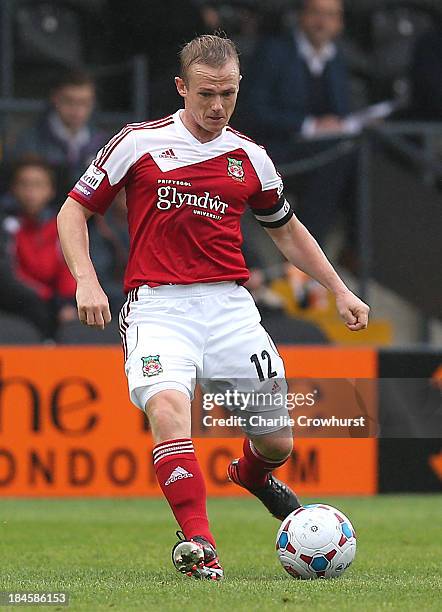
(67,428)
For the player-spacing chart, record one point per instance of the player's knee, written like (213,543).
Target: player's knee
(282,448)
(275,447)
(169,416)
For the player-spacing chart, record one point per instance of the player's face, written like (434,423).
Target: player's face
(209,96)
(33,190)
(322,21)
(74,104)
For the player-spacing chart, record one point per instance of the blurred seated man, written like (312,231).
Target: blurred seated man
(284,329)
(299,96)
(65,136)
(35,254)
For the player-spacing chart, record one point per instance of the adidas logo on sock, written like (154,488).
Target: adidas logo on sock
(169,154)
(178,474)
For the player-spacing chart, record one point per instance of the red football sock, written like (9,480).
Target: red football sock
(254,467)
(182,483)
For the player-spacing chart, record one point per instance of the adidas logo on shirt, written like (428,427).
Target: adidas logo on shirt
(178,474)
(168,154)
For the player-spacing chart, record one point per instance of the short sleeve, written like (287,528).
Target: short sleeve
(107,174)
(269,205)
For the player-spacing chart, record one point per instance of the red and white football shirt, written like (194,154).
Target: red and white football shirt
(184,199)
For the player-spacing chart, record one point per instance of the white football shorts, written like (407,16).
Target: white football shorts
(176,335)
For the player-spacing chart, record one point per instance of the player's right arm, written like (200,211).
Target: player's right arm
(92,302)
(93,193)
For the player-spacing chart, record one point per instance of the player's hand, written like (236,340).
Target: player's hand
(92,304)
(352,310)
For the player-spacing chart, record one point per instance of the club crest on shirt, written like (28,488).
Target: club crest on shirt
(151,365)
(280,187)
(235,169)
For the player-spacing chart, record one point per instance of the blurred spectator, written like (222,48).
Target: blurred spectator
(426,77)
(65,135)
(109,249)
(303,87)
(307,293)
(15,297)
(299,96)
(35,255)
(284,329)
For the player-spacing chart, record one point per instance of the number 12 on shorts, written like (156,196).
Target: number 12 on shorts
(264,357)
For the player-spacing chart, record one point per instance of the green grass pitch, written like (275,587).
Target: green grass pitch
(115,554)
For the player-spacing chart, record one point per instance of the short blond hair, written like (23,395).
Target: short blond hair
(210,49)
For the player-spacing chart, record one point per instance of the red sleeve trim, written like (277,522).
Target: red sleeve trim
(77,197)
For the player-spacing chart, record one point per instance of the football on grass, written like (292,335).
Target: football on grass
(316,541)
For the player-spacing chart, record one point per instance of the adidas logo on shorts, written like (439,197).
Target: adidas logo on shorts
(178,474)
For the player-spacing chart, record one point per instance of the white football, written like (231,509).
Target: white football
(316,541)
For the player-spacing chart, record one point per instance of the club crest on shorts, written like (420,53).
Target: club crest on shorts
(235,169)
(151,365)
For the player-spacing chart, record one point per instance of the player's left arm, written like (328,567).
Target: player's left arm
(300,248)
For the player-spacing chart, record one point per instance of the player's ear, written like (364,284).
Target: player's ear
(181,86)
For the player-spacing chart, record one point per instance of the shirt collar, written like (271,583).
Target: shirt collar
(187,135)
(315,59)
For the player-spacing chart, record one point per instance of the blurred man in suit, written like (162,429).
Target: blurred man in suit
(299,101)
